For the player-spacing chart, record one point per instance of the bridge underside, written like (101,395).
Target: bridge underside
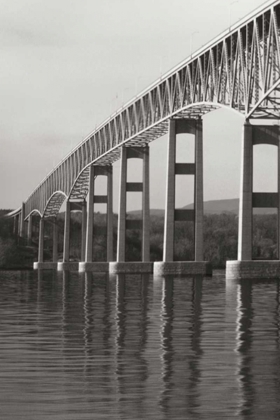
(80,188)
(54,204)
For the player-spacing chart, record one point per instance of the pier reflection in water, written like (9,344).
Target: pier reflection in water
(84,346)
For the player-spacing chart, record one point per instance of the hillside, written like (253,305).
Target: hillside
(212,207)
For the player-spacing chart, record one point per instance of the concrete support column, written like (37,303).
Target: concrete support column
(146,206)
(41,241)
(279,201)
(15,228)
(66,244)
(168,242)
(89,232)
(55,241)
(122,207)
(245,206)
(110,214)
(18,225)
(29,229)
(22,223)
(199,191)
(84,230)
(168,266)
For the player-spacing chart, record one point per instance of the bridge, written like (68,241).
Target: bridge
(240,70)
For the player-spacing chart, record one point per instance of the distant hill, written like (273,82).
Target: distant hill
(219,206)
(211,207)
(153,212)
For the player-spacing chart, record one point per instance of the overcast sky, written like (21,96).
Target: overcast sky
(67,64)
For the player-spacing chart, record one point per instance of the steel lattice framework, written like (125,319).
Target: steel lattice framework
(240,69)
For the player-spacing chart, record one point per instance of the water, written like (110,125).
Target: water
(93,347)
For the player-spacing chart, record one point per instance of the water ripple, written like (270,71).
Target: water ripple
(133,347)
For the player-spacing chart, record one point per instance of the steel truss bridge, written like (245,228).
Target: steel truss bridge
(240,69)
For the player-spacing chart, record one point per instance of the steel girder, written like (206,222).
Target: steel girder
(240,70)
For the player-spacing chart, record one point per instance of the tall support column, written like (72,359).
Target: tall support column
(88,264)
(15,228)
(22,223)
(146,207)
(121,266)
(18,225)
(55,241)
(41,241)
(110,214)
(122,207)
(172,214)
(245,267)
(89,232)
(66,243)
(278,189)
(245,206)
(29,229)
(84,230)
(168,242)
(199,191)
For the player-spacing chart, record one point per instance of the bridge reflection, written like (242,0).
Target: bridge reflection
(257,316)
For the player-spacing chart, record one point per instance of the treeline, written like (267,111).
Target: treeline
(220,239)
(13,253)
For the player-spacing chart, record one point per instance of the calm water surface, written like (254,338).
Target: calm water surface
(136,347)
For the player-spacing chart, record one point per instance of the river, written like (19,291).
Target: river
(83,346)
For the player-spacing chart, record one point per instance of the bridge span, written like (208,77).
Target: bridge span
(240,70)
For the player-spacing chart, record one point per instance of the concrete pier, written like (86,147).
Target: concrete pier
(88,264)
(110,251)
(168,266)
(41,241)
(168,239)
(40,263)
(66,264)
(29,230)
(66,242)
(146,206)
(89,224)
(46,265)
(183,268)
(22,222)
(95,267)
(55,241)
(245,267)
(121,266)
(254,269)
(198,191)
(245,202)
(84,230)
(131,267)
(122,207)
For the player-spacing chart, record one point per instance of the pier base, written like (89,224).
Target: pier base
(260,269)
(94,267)
(184,268)
(68,266)
(45,265)
(130,267)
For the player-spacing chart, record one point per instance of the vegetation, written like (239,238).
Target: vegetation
(12,253)
(220,239)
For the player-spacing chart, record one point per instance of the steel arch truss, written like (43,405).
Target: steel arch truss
(54,203)
(240,70)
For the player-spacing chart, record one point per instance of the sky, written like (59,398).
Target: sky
(66,65)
